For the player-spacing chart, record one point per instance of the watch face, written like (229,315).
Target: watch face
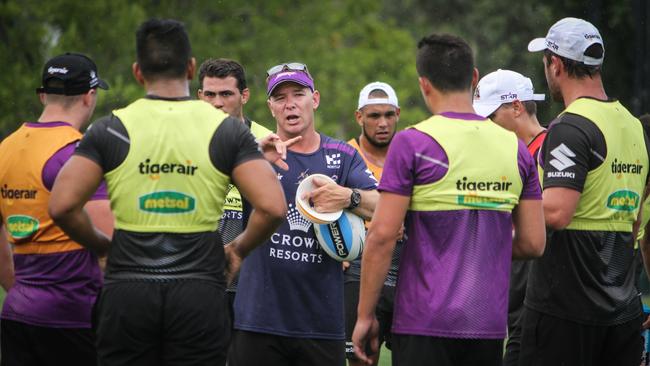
(355,198)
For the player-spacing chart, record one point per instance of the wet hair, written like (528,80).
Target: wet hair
(222,68)
(446,61)
(163,49)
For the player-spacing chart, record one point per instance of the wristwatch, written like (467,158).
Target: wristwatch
(355,199)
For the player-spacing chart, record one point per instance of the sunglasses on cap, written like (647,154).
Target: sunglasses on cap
(293,66)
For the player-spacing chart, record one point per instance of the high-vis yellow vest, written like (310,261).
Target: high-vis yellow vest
(233,197)
(167,183)
(612,193)
(24,197)
(483,172)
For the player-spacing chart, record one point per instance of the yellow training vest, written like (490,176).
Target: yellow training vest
(483,172)
(167,183)
(611,196)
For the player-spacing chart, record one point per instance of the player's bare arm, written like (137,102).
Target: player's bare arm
(7,275)
(75,184)
(258,183)
(380,243)
(559,206)
(331,197)
(529,240)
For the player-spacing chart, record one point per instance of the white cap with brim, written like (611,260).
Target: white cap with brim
(570,38)
(364,95)
(500,87)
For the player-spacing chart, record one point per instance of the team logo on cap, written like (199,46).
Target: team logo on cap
(552,45)
(477,94)
(57,70)
(509,96)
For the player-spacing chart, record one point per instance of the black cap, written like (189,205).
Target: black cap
(70,74)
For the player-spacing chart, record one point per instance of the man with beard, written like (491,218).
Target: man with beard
(222,83)
(582,306)
(377,115)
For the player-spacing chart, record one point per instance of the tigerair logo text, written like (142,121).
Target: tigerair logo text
(623,200)
(21,226)
(155,169)
(619,167)
(11,193)
(468,185)
(474,200)
(167,202)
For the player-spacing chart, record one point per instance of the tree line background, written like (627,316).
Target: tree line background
(345,43)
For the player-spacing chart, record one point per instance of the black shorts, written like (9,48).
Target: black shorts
(384,313)
(162,323)
(415,350)
(254,349)
(31,345)
(516,294)
(547,340)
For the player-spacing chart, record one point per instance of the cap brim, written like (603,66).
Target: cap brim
(537,44)
(539,96)
(299,82)
(102,84)
(486,109)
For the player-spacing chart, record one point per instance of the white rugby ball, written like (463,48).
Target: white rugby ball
(342,239)
(305,208)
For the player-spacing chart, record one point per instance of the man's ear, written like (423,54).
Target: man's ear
(475,79)
(557,66)
(137,73)
(191,68)
(316,97)
(518,108)
(88,97)
(358,115)
(245,95)
(425,85)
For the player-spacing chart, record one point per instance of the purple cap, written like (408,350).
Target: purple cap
(295,76)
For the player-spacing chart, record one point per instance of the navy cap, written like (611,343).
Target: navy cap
(70,74)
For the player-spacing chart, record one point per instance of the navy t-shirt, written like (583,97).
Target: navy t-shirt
(289,286)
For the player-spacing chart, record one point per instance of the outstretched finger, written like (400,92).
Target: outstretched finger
(292,141)
(281,164)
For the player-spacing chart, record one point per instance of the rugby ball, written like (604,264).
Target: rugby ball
(342,239)
(304,206)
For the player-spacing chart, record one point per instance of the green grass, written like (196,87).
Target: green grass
(384,357)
